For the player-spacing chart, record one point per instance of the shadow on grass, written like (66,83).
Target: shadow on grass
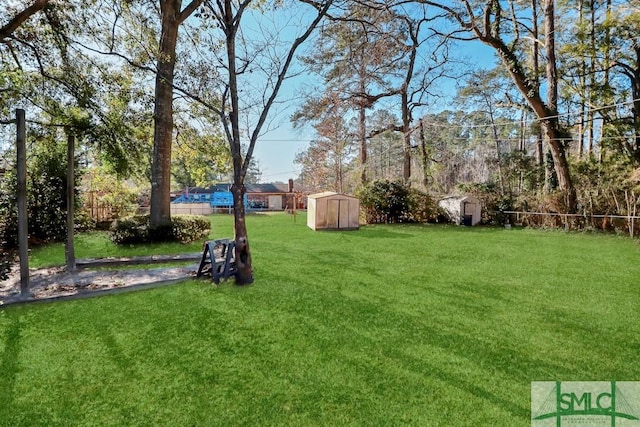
(116,353)
(373,232)
(9,362)
(455,381)
(480,353)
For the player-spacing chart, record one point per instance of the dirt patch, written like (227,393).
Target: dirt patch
(57,282)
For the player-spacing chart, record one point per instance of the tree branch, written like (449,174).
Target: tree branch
(187,11)
(281,76)
(390,127)
(8,29)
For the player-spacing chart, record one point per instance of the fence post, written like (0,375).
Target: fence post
(71,184)
(23,231)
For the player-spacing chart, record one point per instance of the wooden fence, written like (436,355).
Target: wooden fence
(100,212)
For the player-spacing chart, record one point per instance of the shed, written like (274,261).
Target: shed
(463,210)
(333,211)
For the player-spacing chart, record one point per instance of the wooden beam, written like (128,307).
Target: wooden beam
(70,254)
(23,232)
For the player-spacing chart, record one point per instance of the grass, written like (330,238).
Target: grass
(388,325)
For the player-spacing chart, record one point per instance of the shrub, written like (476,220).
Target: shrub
(131,229)
(188,228)
(5,264)
(47,202)
(422,207)
(386,201)
(136,229)
(83,220)
(46,196)
(8,211)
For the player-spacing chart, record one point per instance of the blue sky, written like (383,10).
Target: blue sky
(275,151)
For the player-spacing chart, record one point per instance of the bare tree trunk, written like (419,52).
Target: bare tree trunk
(425,158)
(606,83)
(535,70)
(496,140)
(172,17)
(550,52)
(582,83)
(522,146)
(362,137)
(592,82)
(406,138)
(244,268)
(406,112)
(552,131)
(362,125)
(339,161)
(228,14)
(556,137)
(635,90)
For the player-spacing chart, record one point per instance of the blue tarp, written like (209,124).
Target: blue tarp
(218,199)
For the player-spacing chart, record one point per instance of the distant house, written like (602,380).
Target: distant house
(271,197)
(262,197)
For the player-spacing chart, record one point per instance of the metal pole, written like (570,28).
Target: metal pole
(23,232)
(71,185)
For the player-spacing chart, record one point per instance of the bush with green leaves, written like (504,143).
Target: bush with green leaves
(46,195)
(8,211)
(131,229)
(136,229)
(5,264)
(422,207)
(47,199)
(384,201)
(189,228)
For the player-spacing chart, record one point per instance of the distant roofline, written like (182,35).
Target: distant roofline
(262,188)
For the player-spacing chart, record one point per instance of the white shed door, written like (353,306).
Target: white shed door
(469,208)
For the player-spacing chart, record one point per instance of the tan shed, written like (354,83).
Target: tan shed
(333,211)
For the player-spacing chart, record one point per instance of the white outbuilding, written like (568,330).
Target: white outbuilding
(333,211)
(463,210)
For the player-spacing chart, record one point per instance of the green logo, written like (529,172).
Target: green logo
(585,403)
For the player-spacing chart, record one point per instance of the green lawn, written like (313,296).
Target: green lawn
(388,325)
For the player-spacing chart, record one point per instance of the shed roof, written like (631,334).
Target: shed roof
(329,194)
(460,198)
